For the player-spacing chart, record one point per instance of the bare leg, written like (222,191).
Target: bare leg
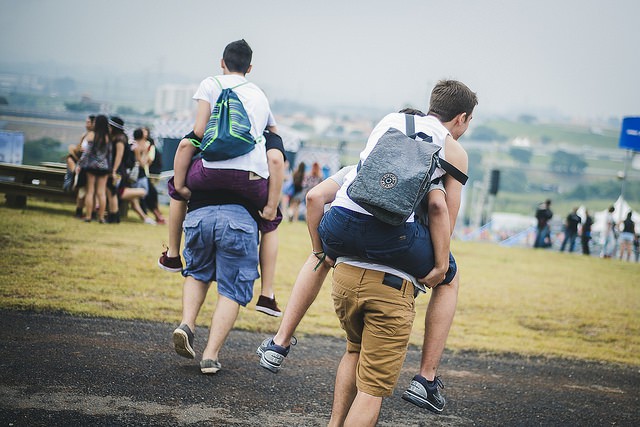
(222,321)
(158,214)
(437,322)
(268,256)
(135,204)
(294,210)
(177,213)
(364,410)
(194,293)
(71,164)
(134,195)
(304,292)
(284,205)
(101,193)
(345,388)
(88,198)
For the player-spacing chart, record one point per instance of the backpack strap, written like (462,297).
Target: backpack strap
(456,173)
(453,171)
(233,87)
(411,129)
(238,85)
(410,122)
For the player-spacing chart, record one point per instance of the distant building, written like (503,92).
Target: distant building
(11,147)
(175,99)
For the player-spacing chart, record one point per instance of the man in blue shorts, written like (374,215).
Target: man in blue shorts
(221,244)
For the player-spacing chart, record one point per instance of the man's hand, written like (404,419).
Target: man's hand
(435,277)
(268,213)
(184,192)
(329,261)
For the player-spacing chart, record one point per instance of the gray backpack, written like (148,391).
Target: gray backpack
(396,175)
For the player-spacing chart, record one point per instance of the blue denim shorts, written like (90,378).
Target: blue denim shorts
(142,183)
(406,247)
(221,245)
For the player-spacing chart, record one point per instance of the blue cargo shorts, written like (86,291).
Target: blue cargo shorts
(221,245)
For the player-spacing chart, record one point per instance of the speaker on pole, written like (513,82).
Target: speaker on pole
(494,183)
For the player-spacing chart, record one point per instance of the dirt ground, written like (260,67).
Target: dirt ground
(63,370)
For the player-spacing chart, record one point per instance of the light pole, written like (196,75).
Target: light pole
(629,140)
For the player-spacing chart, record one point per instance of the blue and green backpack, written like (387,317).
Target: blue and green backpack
(228,131)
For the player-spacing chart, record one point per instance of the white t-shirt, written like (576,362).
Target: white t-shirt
(257,106)
(430,125)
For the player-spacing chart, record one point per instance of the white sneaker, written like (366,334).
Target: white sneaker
(149,221)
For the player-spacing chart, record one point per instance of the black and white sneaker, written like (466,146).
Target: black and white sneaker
(272,355)
(183,341)
(425,394)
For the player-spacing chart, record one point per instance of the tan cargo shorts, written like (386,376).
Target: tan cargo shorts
(376,310)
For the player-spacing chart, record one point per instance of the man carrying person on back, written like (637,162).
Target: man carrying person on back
(221,243)
(454,116)
(255,175)
(450,111)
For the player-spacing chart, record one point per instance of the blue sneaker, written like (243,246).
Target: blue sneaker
(272,355)
(425,394)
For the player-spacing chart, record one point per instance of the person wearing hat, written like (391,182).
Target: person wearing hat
(118,187)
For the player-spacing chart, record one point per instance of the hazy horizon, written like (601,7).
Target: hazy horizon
(576,58)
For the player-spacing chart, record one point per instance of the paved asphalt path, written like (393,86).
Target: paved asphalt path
(72,371)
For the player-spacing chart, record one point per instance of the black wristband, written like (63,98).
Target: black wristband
(192,135)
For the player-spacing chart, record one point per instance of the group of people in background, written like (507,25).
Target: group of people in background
(620,234)
(297,186)
(618,239)
(107,169)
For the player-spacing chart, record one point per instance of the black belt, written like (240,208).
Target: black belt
(396,282)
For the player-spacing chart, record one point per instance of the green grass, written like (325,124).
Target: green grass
(523,301)
(526,203)
(557,133)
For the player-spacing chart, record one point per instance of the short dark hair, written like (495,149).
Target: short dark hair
(450,98)
(412,112)
(138,134)
(237,56)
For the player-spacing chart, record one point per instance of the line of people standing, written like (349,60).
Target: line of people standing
(298,186)
(615,233)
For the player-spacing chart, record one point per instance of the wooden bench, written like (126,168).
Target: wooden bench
(18,182)
(55,165)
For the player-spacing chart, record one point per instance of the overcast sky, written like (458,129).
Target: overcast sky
(577,57)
